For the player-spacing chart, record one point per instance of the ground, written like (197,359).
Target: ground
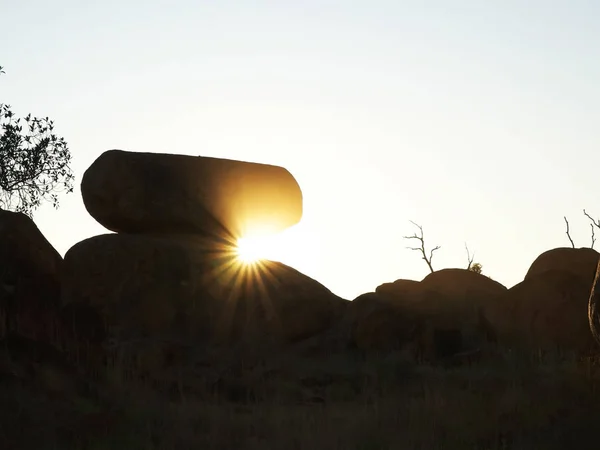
(338,401)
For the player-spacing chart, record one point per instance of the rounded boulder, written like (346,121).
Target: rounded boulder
(30,270)
(135,192)
(123,288)
(578,261)
(547,311)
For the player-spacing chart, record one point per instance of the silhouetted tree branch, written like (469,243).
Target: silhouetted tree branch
(568,235)
(34,164)
(422,247)
(469,257)
(473,267)
(595,223)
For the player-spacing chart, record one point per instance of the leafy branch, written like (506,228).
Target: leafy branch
(34,162)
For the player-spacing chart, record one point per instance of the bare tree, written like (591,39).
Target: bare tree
(472,267)
(568,234)
(595,223)
(422,247)
(469,257)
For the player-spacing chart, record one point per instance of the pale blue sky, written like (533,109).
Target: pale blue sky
(477,119)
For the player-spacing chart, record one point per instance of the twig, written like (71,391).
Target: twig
(595,222)
(469,257)
(568,235)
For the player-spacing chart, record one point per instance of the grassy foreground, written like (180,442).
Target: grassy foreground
(335,402)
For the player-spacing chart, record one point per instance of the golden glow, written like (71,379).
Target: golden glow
(252,249)
(289,247)
(238,271)
(257,245)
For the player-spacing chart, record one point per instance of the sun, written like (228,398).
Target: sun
(251,249)
(294,246)
(256,245)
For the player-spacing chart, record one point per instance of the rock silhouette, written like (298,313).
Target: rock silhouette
(464,285)
(30,271)
(168,289)
(374,324)
(438,317)
(164,307)
(134,192)
(170,278)
(579,261)
(183,289)
(546,311)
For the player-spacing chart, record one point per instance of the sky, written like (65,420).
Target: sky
(477,120)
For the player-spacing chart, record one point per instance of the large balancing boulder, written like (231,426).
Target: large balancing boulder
(165,193)
(121,288)
(30,271)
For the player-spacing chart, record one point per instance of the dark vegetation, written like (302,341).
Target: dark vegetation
(34,162)
(340,402)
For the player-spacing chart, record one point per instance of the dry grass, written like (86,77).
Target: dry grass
(338,402)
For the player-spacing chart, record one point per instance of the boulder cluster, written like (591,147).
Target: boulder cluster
(455,310)
(166,282)
(170,278)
